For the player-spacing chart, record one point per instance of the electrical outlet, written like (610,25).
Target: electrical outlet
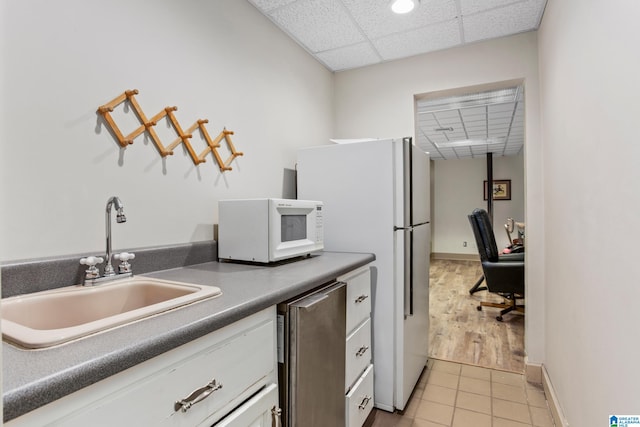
(464,244)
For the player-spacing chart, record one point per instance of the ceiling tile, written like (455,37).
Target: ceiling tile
(414,42)
(353,56)
(500,119)
(440,115)
(501,107)
(376,18)
(473,112)
(344,34)
(477,134)
(467,7)
(475,125)
(479,150)
(323,25)
(512,19)
(318,25)
(268,5)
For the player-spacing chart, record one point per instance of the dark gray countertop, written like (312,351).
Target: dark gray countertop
(33,378)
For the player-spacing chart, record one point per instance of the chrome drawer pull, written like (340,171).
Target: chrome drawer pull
(197,396)
(364,402)
(362,350)
(276,420)
(361,298)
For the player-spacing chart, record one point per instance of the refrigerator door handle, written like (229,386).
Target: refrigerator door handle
(408,269)
(409,254)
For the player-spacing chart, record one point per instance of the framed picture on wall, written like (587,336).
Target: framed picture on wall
(501,189)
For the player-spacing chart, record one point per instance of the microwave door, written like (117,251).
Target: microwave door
(297,230)
(293,227)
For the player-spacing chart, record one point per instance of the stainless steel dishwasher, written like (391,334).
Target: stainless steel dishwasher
(311,358)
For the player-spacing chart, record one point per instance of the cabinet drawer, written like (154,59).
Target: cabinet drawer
(358,353)
(256,412)
(358,297)
(242,363)
(237,366)
(360,399)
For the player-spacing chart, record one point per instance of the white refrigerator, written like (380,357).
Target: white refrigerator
(376,199)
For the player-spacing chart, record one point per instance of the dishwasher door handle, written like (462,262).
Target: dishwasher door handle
(315,298)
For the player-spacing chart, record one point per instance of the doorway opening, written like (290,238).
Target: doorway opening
(459,128)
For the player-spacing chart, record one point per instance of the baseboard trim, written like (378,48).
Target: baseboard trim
(552,399)
(533,372)
(455,257)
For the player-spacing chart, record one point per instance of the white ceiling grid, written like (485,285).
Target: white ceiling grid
(439,128)
(344,34)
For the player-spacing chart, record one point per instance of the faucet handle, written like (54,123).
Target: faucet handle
(124,256)
(91,261)
(124,266)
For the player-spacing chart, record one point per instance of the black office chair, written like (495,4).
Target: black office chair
(517,255)
(503,277)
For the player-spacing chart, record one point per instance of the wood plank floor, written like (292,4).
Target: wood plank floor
(459,332)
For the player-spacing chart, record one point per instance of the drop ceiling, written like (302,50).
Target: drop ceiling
(472,124)
(345,34)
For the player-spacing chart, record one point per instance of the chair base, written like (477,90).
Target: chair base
(506,306)
(477,287)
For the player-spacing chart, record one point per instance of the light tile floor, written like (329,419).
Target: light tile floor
(456,395)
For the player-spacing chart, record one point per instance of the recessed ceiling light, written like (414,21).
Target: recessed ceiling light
(403,6)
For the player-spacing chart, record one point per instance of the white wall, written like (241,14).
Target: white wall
(589,71)
(219,60)
(378,101)
(2,200)
(458,190)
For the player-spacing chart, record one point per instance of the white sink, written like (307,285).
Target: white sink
(47,318)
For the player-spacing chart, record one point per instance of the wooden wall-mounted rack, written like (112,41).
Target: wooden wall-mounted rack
(147,125)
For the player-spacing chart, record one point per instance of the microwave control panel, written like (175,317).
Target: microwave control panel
(319,225)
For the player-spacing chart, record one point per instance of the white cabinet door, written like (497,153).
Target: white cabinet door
(235,366)
(241,358)
(259,411)
(360,399)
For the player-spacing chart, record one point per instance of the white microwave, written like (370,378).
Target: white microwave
(269,230)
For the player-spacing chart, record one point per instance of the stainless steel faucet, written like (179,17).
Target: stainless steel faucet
(120,217)
(92,274)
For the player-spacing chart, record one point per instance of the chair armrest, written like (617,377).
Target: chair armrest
(504,276)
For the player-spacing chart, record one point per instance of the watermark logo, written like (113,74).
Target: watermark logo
(624,420)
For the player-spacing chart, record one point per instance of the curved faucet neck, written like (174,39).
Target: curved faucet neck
(120,217)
